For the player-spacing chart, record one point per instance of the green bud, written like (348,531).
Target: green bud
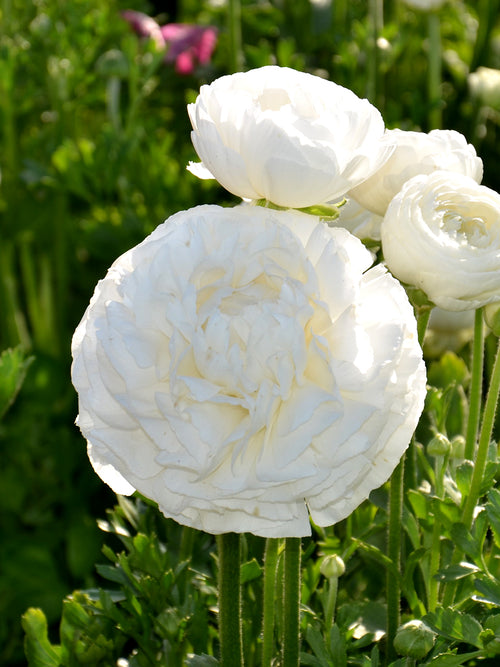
(332,566)
(492,317)
(439,445)
(414,639)
(458,447)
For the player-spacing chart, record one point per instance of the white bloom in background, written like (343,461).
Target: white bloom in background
(484,84)
(425,5)
(289,137)
(417,153)
(245,368)
(448,330)
(359,221)
(441,233)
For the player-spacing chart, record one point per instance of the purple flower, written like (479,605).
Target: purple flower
(186,45)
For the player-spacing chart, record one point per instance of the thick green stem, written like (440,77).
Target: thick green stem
(291,602)
(230,635)
(434,72)
(270,563)
(475,386)
(393,587)
(484,442)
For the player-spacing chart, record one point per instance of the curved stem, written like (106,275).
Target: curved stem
(484,442)
(475,386)
(291,610)
(231,654)
(270,562)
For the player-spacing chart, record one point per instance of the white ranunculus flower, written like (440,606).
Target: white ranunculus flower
(292,138)
(484,84)
(358,220)
(417,153)
(244,368)
(441,233)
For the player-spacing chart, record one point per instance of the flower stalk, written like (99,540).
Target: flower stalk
(475,386)
(291,602)
(270,564)
(484,442)
(230,634)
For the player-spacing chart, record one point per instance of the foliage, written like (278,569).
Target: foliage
(94,139)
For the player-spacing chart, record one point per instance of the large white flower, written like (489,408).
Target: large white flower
(441,233)
(417,153)
(244,368)
(292,138)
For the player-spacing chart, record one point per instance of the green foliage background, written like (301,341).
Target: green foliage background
(94,139)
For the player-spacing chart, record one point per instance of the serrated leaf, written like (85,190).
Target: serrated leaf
(39,651)
(455,625)
(490,591)
(456,571)
(337,647)
(464,541)
(315,640)
(451,659)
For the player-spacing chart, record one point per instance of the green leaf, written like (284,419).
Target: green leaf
(315,640)
(449,370)
(490,591)
(451,659)
(201,661)
(456,571)
(464,541)
(337,647)
(493,512)
(250,571)
(13,369)
(455,625)
(39,651)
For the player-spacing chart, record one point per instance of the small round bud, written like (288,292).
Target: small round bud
(414,639)
(439,445)
(458,447)
(332,566)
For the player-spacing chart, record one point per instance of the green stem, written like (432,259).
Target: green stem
(475,386)
(434,73)
(230,635)
(291,601)
(331,601)
(270,563)
(235,41)
(393,587)
(484,442)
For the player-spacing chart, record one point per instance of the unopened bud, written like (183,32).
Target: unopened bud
(414,639)
(439,445)
(332,566)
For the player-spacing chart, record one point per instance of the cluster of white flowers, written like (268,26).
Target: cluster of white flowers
(245,367)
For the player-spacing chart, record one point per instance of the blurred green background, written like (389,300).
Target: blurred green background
(94,140)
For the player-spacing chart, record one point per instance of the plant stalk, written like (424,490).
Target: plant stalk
(230,633)
(475,386)
(291,602)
